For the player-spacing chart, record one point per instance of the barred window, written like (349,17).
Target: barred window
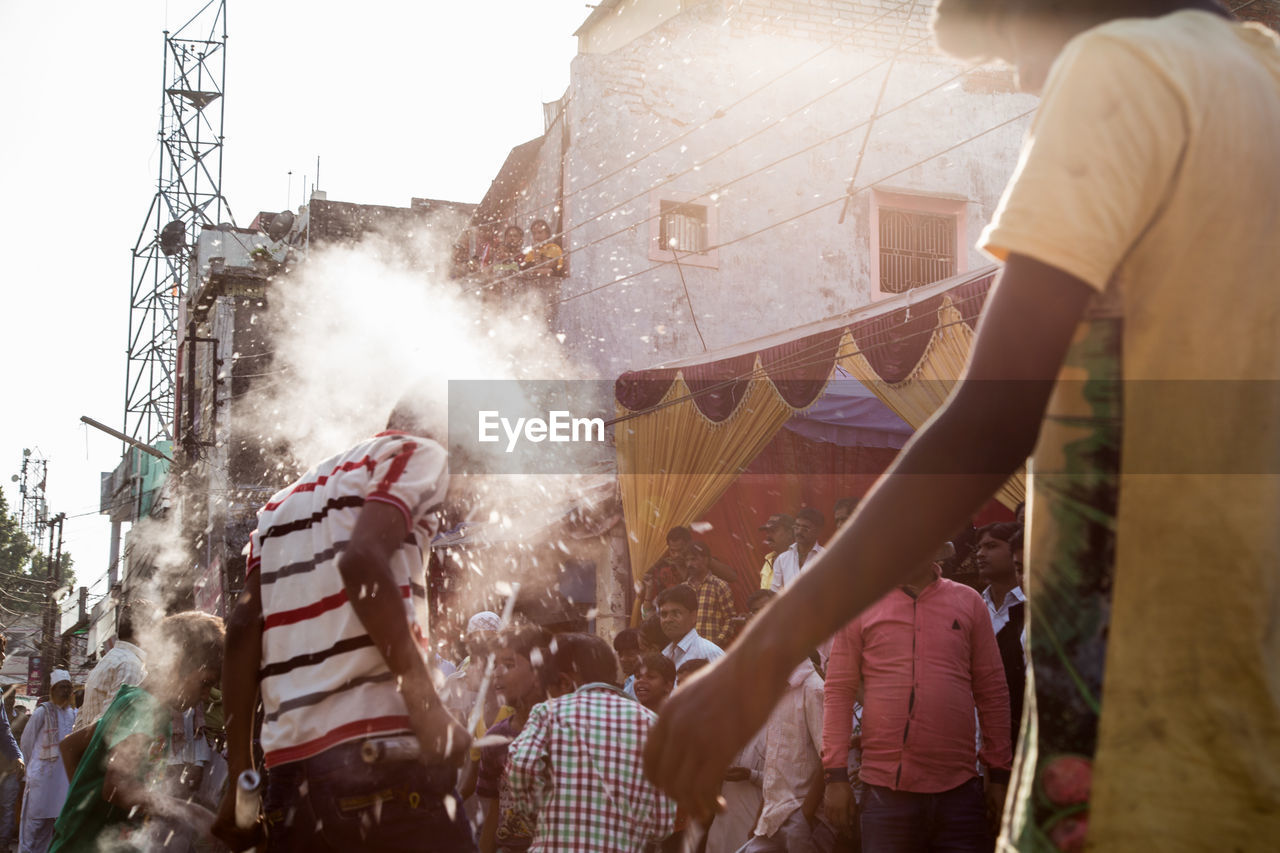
(682,228)
(915,249)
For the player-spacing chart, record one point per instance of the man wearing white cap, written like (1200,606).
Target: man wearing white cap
(46,778)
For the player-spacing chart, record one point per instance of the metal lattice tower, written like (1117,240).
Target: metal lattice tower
(34,512)
(189,191)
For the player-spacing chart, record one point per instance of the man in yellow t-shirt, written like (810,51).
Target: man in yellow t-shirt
(1130,346)
(779,534)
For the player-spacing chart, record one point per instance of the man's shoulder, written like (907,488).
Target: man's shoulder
(815,689)
(121,654)
(720,583)
(962,593)
(706,647)
(608,699)
(130,695)
(1176,46)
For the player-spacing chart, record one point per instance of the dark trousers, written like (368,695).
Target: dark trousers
(952,821)
(335,801)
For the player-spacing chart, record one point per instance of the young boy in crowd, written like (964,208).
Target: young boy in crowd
(115,764)
(577,763)
(627,646)
(686,670)
(517,685)
(655,679)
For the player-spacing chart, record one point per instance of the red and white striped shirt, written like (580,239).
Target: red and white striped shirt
(323,683)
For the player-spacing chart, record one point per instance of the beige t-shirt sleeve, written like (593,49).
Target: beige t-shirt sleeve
(1098,164)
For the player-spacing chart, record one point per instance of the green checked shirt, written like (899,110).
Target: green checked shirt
(578,765)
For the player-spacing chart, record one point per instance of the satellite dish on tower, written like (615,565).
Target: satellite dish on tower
(173,238)
(280,225)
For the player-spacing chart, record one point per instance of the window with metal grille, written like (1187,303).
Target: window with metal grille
(915,249)
(682,228)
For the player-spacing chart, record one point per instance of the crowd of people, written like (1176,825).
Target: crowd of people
(800,782)
(864,699)
(556,722)
(500,254)
(42,749)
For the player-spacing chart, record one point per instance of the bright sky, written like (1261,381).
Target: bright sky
(398,98)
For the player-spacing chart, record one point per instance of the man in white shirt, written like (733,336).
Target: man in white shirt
(125,663)
(788,565)
(1006,605)
(996,569)
(47,781)
(793,772)
(678,612)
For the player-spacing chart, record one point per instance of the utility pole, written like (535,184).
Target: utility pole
(52,631)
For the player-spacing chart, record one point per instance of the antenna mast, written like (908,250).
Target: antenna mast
(188,196)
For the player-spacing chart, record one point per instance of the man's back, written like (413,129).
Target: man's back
(579,759)
(1151,176)
(123,664)
(323,682)
(793,749)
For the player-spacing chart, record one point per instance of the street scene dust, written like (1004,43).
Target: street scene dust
(789,426)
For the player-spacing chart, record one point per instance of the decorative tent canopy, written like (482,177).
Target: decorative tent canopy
(686,430)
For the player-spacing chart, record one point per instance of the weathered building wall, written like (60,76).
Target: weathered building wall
(541,196)
(771,166)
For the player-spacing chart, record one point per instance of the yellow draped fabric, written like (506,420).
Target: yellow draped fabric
(674,463)
(917,397)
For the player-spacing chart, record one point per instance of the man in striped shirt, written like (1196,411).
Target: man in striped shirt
(328,629)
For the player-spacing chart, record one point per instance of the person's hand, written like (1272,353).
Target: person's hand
(995,793)
(737,774)
(704,724)
(839,806)
(226,831)
(441,739)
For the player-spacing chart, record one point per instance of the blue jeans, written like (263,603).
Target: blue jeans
(9,782)
(335,801)
(952,821)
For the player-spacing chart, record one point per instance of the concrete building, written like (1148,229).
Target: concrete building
(226,468)
(715,171)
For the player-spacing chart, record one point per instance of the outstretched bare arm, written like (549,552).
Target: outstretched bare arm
(953,465)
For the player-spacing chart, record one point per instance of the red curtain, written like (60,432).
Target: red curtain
(791,472)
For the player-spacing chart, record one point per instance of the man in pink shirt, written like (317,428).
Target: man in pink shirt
(923,655)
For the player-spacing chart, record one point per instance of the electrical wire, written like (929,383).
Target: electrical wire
(875,114)
(803,213)
(688,300)
(722,112)
(714,191)
(849,194)
(567,253)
